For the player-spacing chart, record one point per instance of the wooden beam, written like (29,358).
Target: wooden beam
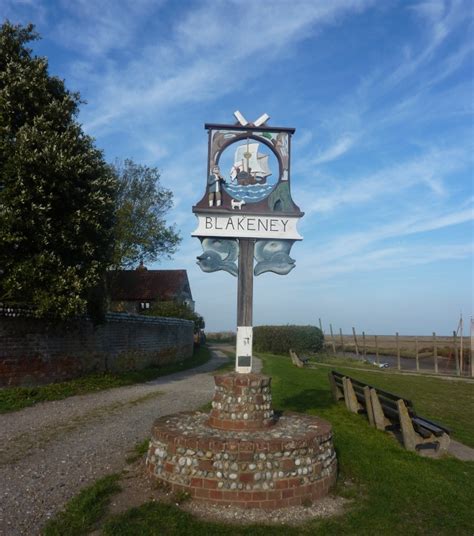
(332,340)
(243,362)
(408,432)
(337,394)
(349,396)
(342,342)
(379,417)
(435,353)
(245,282)
(398,351)
(368,405)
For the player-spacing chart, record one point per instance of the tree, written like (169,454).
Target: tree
(176,310)
(56,191)
(141,233)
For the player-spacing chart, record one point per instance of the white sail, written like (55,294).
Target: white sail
(263,164)
(247,156)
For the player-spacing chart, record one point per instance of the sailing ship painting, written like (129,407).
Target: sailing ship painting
(249,174)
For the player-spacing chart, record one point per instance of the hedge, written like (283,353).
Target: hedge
(280,339)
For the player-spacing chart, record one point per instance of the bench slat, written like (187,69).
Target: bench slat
(397,411)
(356,384)
(425,434)
(427,425)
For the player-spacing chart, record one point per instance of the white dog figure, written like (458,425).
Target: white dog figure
(237,204)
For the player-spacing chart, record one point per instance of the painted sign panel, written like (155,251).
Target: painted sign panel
(248,170)
(247,226)
(247,219)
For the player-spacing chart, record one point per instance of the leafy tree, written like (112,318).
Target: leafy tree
(56,191)
(176,310)
(141,233)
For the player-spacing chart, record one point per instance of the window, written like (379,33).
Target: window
(144,305)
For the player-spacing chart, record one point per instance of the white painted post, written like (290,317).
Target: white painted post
(243,363)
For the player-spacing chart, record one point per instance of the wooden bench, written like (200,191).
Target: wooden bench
(300,362)
(389,412)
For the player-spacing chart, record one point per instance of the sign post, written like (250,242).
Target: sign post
(244,342)
(247,218)
(247,226)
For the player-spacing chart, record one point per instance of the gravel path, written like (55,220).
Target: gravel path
(50,451)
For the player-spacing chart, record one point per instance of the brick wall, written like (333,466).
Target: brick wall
(34,351)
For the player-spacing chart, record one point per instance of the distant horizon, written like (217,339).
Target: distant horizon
(380,95)
(327,334)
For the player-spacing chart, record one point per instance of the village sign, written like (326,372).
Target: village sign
(247,212)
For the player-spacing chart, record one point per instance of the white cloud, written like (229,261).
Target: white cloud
(429,170)
(196,60)
(23,11)
(371,249)
(439,20)
(337,149)
(96,28)
(390,258)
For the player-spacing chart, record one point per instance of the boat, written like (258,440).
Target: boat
(250,166)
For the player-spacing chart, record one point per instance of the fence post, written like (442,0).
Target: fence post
(321,326)
(364,349)
(332,339)
(355,342)
(398,351)
(435,353)
(416,355)
(456,357)
(377,351)
(342,341)
(471,357)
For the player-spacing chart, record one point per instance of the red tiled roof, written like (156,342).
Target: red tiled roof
(148,285)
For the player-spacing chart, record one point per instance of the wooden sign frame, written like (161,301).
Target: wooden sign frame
(248,216)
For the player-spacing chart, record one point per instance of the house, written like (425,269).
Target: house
(136,290)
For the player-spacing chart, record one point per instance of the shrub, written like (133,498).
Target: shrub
(173,309)
(221,337)
(280,339)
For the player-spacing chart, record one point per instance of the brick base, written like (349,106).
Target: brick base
(284,465)
(241,402)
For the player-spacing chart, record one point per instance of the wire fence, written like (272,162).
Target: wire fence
(425,354)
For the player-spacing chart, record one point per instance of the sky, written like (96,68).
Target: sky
(381,96)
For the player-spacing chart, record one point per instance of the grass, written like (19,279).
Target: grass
(406,350)
(394,491)
(340,361)
(83,511)
(138,451)
(446,401)
(16,398)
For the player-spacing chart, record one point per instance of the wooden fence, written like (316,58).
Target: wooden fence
(434,354)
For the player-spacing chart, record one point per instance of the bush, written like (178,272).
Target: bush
(280,339)
(171,309)
(221,337)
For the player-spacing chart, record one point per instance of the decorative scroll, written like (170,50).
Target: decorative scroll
(219,254)
(273,256)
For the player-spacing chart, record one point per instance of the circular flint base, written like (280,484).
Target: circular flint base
(285,465)
(241,402)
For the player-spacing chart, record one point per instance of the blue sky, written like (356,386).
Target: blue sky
(381,96)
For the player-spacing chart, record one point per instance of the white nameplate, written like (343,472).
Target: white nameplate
(247,226)
(243,362)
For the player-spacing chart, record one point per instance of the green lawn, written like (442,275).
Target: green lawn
(84,510)
(15,398)
(393,492)
(446,401)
